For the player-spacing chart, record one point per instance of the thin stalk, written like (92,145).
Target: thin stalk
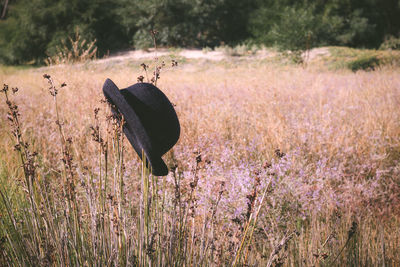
(23,153)
(153,34)
(161,234)
(51,224)
(239,252)
(74,227)
(122,234)
(19,236)
(255,219)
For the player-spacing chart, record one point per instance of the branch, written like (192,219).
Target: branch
(3,14)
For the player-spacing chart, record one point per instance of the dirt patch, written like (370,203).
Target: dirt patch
(318,52)
(133,55)
(199,54)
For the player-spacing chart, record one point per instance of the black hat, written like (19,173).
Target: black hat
(151,124)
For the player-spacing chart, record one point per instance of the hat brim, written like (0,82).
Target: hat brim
(134,129)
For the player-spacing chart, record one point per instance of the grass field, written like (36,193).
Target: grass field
(276,165)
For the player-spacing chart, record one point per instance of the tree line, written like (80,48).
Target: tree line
(31,30)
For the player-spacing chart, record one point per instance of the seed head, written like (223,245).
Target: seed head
(353,229)
(5,88)
(140,79)
(279,154)
(144,66)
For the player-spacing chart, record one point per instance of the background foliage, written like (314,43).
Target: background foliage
(34,29)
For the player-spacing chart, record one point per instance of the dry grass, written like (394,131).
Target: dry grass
(76,50)
(335,180)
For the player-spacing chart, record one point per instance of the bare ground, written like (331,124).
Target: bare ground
(199,54)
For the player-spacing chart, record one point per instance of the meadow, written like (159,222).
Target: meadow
(276,165)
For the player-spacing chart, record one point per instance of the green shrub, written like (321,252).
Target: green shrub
(367,63)
(390,43)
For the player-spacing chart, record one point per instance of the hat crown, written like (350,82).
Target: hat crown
(156,113)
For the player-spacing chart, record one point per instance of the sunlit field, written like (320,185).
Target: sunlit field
(276,165)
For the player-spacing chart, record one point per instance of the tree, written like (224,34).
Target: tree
(355,23)
(35,28)
(187,23)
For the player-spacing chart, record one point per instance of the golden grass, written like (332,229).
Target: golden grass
(240,112)
(277,106)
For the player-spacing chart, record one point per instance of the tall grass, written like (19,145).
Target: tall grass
(75,50)
(281,165)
